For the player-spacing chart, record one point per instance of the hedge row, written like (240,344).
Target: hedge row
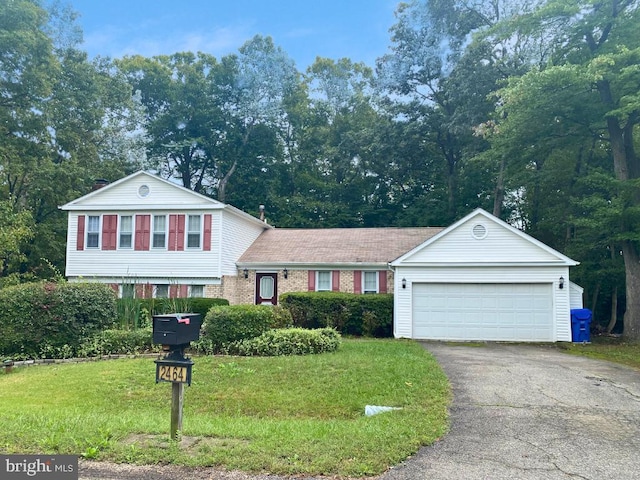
(53,319)
(286,341)
(224,325)
(361,315)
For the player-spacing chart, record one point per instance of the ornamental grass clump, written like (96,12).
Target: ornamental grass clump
(289,341)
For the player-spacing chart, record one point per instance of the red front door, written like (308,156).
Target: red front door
(266,288)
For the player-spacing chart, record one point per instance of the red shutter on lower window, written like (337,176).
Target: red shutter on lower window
(357,281)
(139,291)
(109,231)
(80,235)
(143,232)
(382,281)
(184,291)
(335,280)
(312,281)
(173,291)
(206,238)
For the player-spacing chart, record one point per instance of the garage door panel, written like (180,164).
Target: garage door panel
(503,312)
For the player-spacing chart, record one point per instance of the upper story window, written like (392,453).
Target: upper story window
(93,231)
(159,231)
(193,231)
(370,282)
(323,281)
(126,231)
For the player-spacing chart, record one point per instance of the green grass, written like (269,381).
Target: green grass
(609,348)
(285,415)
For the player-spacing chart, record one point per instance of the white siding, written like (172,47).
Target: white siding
(575,292)
(549,275)
(236,236)
(162,194)
(500,245)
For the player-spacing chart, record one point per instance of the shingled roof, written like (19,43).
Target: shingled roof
(283,246)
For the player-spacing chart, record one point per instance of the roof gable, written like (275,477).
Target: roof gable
(480,238)
(142,190)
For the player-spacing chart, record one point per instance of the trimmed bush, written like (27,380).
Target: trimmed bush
(110,342)
(137,312)
(289,341)
(350,314)
(224,325)
(52,319)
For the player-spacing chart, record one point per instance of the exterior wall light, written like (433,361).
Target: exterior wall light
(404,283)
(286,273)
(246,273)
(561,283)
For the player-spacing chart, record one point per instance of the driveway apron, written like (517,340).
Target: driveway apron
(532,412)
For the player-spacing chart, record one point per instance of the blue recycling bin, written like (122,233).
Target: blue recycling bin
(580,325)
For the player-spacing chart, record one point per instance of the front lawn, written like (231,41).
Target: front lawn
(285,415)
(612,349)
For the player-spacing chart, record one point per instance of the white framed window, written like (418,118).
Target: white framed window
(126,231)
(370,282)
(196,291)
(323,280)
(93,231)
(159,231)
(127,290)
(194,229)
(161,291)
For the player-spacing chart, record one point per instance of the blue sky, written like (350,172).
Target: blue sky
(357,29)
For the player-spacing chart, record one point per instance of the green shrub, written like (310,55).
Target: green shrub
(137,312)
(116,341)
(290,341)
(350,314)
(53,319)
(228,324)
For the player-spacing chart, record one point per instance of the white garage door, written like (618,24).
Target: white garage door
(492,311)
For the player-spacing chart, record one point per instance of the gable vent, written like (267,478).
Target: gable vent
(479,231)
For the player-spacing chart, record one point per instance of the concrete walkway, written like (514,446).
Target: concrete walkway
(531,412)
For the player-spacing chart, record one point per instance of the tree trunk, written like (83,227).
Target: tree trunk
(632,276)
(498,198)
(614,310)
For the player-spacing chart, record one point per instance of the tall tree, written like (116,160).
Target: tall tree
(592,84)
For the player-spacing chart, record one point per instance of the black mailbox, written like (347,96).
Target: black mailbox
(176,328)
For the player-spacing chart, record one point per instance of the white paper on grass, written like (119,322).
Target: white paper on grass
(375,409)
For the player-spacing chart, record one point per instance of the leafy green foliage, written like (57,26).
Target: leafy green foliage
(286,341)
(350,314)
(224,325)
(117,341)
(53,319)
(137,312)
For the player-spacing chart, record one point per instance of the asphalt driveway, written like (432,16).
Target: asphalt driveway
(519,412)
(532,412)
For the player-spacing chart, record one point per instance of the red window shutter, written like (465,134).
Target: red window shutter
(148,290)
(382,281)
(109,231)
(357,281)
(80,236)
(184,291)
(139,291)
(335,280)
(173,291)
(116,288)
(206,239)
(312,281)
(180,232)
(173,220)
(143,232)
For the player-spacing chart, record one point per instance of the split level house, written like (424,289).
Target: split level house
(478,279)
